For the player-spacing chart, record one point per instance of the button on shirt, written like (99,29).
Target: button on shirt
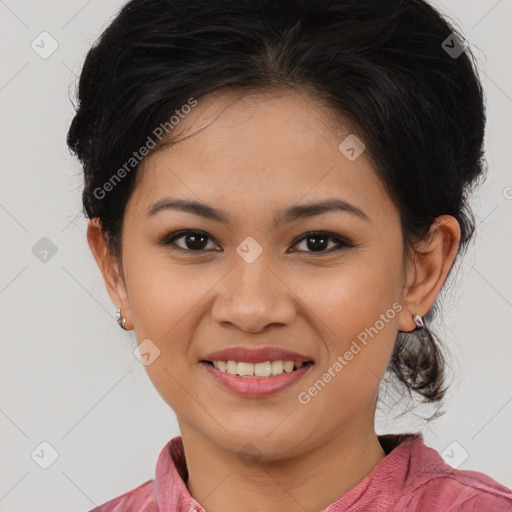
(412,477)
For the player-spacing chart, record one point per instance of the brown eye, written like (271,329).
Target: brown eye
(318,242)
(193,241)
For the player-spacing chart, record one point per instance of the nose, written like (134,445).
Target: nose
(252,297)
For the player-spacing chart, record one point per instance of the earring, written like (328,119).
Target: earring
(418,320)
(121,320)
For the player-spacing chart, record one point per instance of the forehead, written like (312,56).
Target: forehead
(259,149)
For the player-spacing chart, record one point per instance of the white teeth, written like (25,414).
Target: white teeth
(231,367)
(288,366)
(265,369)
(245,369)
(277,367)
(262,369)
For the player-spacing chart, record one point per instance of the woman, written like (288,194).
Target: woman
(277,192)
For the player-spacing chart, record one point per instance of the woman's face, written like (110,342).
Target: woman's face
(252,282)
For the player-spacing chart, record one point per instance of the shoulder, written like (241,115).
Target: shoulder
(140,499)
(438,486)
(464,491)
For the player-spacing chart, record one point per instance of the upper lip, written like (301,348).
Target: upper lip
(256,355)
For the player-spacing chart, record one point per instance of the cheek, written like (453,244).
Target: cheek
(355,310)
(351,297)
(160,293)
(167,304)
(359,332)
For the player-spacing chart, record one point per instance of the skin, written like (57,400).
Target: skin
(254,156)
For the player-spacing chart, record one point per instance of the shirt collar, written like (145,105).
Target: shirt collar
(387,479)
(170,480)
(172,473)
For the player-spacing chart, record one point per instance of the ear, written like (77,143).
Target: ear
(109,267)
(432,261)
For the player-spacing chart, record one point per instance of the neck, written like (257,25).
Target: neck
(221,482)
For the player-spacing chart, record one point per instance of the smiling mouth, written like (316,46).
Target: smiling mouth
(257,370)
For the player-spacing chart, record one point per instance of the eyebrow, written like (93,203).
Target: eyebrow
(291,214)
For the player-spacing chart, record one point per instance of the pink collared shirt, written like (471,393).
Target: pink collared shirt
(411,478)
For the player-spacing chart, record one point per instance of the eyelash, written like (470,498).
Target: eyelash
(342,244)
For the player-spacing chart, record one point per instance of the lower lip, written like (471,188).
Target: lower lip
(256,386)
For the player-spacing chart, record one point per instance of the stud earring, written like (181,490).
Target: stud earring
(418,320)
(121,320)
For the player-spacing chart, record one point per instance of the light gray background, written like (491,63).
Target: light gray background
(68,374)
